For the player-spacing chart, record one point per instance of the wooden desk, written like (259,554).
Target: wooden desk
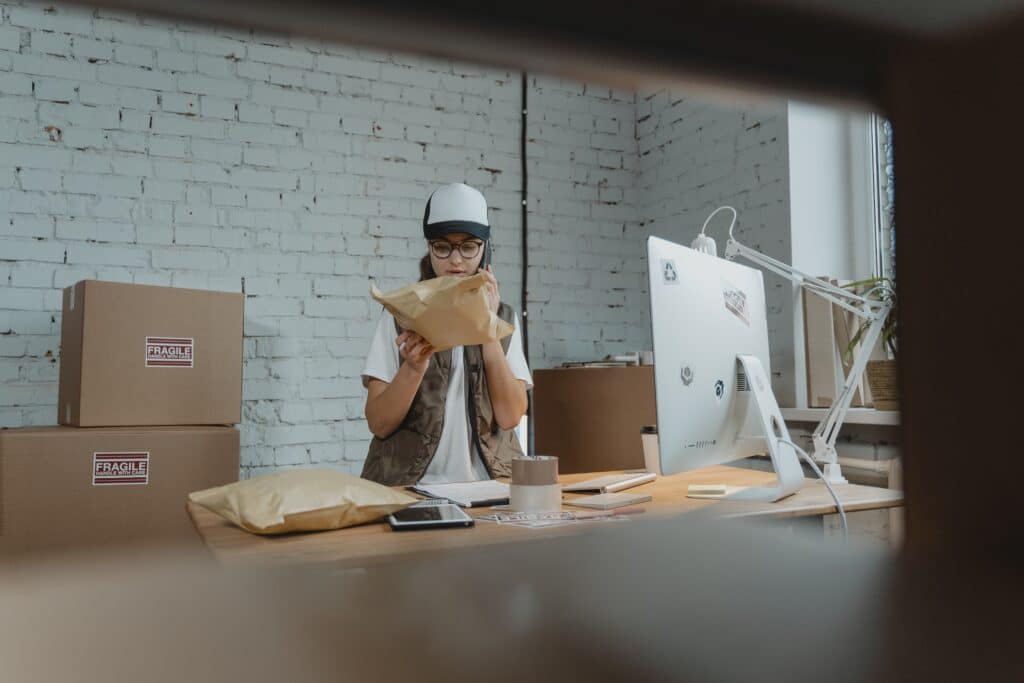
(371,543)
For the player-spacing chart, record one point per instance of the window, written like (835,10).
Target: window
(884,197)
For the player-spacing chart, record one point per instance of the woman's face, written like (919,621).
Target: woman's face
(456,263)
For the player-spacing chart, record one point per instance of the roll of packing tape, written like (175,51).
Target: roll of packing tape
(535,484)
(524,498)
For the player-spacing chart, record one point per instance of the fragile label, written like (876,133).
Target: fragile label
(120,468)
(169,352)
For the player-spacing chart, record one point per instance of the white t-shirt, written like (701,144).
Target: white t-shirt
(452,461)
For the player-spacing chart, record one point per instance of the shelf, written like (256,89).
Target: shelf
(858,416)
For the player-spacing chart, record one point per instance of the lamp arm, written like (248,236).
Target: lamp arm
(827,431)
(873,310)
(844,298)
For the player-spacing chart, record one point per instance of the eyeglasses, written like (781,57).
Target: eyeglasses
(443,248)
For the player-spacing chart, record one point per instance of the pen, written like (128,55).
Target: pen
(605,513)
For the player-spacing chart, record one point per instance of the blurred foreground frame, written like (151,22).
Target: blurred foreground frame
(948,76)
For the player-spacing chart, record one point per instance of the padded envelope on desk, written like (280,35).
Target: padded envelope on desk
(301,500)
(446,311)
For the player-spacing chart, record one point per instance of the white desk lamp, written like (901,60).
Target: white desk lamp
(871,310)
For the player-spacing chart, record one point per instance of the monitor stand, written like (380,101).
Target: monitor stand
(784,457)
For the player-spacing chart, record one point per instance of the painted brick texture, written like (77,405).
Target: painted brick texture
(147,151)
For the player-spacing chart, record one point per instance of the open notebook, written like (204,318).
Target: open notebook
(467,493)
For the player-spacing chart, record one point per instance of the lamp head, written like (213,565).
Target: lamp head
(704,244)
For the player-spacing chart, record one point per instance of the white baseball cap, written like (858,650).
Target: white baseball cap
(456,208)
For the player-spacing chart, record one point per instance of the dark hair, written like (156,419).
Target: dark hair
(426,268)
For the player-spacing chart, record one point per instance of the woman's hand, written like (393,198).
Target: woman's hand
(491,289)
(415,350)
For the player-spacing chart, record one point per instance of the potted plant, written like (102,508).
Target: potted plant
(881,374)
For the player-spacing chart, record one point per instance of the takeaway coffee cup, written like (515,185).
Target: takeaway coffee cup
(649,437)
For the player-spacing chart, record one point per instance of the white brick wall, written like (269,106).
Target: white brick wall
(140,150)
(585,237)
(696,156)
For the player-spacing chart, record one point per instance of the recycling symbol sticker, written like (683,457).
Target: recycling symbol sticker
(669,273)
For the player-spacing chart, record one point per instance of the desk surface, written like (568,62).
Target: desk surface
(375,542)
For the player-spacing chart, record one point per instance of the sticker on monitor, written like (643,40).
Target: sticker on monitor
(120,468)
(686,374)
(669,272)
(736,302)
(170,352)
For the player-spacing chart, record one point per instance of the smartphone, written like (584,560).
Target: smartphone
(486,260)
(429,517)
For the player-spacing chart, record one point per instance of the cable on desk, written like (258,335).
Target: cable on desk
(814,466)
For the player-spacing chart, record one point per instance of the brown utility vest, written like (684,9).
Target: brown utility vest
(403,457)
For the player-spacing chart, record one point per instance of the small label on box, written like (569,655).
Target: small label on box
(169,352)
(120,468)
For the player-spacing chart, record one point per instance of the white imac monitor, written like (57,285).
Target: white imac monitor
(708,314)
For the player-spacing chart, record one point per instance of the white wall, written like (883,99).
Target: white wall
(586,248)
(831,205)
(696,156)
(141,150)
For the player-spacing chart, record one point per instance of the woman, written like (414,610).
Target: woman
(446,416)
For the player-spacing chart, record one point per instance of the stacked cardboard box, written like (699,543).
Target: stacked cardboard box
(150,384)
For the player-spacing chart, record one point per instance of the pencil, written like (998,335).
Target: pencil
(632,510)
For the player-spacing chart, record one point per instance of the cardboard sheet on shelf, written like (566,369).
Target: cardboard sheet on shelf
(446,311)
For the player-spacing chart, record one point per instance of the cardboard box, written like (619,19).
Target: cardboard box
(823,378)
(591,417)
(64,487)
(142,355)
